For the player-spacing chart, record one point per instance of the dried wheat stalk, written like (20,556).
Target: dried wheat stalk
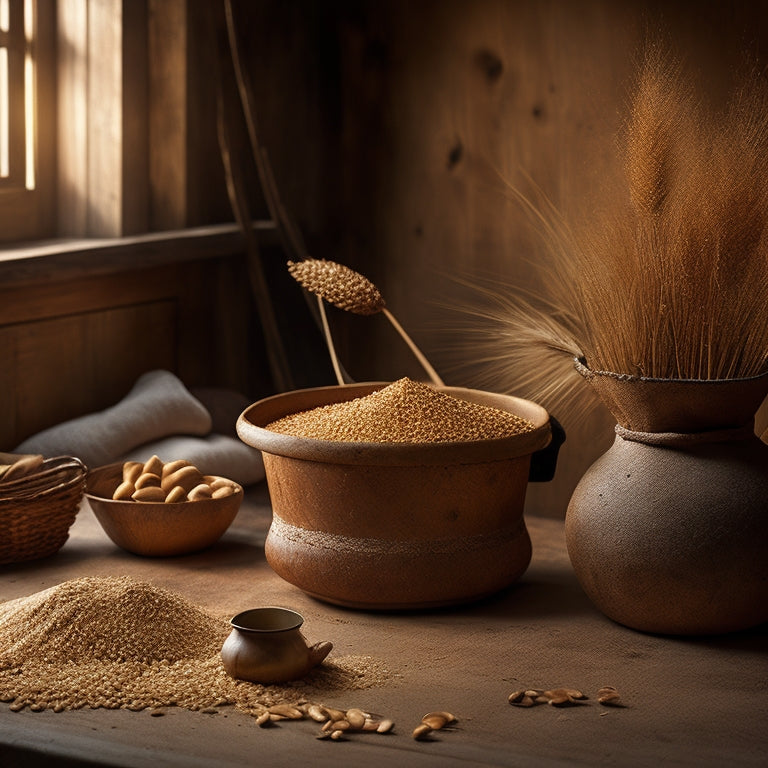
(671,281)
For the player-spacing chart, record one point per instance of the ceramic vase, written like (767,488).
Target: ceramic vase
(667,530)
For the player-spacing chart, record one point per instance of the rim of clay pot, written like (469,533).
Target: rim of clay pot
(268,619)
(251,423)
(646,404)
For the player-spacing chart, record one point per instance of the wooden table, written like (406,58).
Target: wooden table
(690,702)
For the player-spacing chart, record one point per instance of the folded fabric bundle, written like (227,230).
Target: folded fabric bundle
(158,416)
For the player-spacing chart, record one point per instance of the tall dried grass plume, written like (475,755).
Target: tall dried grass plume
(671,279)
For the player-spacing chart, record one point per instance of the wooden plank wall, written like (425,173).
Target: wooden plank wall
(442,98)
(70,346)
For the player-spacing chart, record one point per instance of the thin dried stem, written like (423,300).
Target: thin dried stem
(425,364)
(329,342)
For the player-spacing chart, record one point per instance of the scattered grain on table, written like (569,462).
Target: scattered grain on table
(405,411)
(119,643)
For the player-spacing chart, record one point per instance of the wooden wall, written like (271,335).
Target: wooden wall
(441,99)
(391,126)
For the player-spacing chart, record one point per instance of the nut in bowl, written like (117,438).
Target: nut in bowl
(162,517)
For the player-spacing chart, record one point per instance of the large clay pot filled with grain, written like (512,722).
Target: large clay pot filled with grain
(667,530)
(378,525)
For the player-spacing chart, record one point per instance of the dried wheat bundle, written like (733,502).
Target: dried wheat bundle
(671,280)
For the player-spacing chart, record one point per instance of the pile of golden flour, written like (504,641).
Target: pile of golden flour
(121,643)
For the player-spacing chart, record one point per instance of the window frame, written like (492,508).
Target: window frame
(29,213)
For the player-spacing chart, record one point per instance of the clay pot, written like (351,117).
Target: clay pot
(391,526)
(667,530)
(266,646)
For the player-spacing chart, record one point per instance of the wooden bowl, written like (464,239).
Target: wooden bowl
(158,529)
(395,525)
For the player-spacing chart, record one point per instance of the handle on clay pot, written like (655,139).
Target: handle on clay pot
(544,462)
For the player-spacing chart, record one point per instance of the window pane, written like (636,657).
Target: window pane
(12,118)
(4,139)
(29,94)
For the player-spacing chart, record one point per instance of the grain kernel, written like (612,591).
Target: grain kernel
(385,726)
(356,718)
(608,696)
(263,719)
(438,720)
(317,713)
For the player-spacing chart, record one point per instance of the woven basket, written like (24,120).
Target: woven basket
(36,512)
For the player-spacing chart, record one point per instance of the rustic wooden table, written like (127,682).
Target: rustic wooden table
(690,702)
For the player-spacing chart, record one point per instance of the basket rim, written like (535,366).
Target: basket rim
(34,486)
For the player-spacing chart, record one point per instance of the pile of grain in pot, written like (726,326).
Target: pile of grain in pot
(405,411)
(114,642)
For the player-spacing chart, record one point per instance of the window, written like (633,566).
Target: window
(26,132)
(106,126)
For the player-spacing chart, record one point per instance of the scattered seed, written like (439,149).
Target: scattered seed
(356,719)
(438,720)
(334,714)
(608,696)
(264,719)
(317,713)
(421,731)
(286,712)
(115,642)
(385,726)
(521,699)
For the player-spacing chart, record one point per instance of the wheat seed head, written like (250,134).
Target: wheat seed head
(338,285)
